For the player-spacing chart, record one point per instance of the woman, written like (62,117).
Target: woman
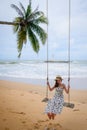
(55,105)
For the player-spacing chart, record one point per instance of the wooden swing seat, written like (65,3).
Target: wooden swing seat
(67,104)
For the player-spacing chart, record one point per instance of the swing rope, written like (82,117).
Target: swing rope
(47,60)
(70,105)
(69,47)
(47,51)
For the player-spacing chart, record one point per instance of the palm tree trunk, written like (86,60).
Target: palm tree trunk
(8,23)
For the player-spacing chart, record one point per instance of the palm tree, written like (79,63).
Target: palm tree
(27,24)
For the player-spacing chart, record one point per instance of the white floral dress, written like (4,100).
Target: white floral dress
(55,104)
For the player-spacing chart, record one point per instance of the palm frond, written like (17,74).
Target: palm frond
(21,38)
(30,2)
(17,9)
(15,28)
(41,32)
(35,15)
(22,7)
(29,10)
(19,46)
(33,39)
(36,9)
(41,19)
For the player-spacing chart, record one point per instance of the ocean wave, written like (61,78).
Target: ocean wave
(36,69)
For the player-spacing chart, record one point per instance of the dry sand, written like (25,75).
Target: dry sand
(21,108)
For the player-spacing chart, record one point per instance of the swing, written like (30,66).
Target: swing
(66,104)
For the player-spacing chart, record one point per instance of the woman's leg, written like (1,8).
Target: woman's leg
(49,115)
(53,115)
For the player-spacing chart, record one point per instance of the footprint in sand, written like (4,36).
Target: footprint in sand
(48,128)
(36,92)
(22,113)
(3,101)
(22,94)
(36,126)
(30,91)
(39,124)
(58,125)
(39,121)
(23,122)
(52,126)
(83,102)
(76,110)
(4,119)
(7,128)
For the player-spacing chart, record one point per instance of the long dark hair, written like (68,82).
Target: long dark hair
(56,84)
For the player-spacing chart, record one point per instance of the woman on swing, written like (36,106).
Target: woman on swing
(55,105)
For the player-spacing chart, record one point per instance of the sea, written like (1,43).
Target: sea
(36,72)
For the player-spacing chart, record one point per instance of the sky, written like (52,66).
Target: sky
(58,12)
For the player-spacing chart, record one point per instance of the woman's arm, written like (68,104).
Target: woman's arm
(50,87)
(66,88)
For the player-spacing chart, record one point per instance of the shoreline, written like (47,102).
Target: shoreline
(21,108)
(76,83)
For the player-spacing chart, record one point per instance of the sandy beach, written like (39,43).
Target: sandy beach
(21,108)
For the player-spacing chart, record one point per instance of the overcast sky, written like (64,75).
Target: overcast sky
(58,30)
